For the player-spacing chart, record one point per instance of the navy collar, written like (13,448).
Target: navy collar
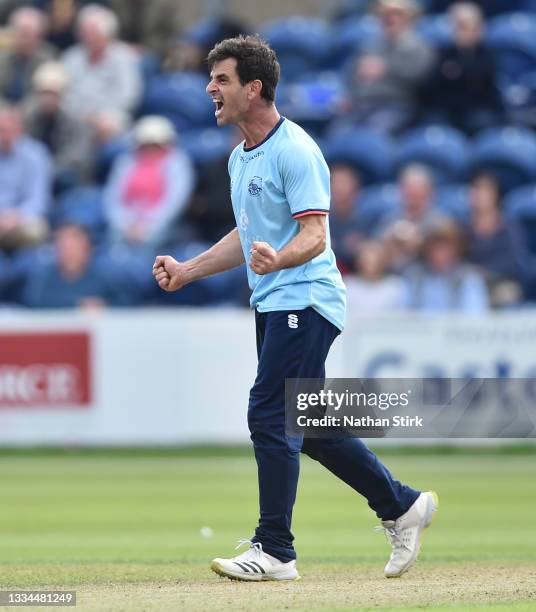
(267,137)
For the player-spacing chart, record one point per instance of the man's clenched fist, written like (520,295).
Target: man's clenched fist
(264,258)
(169,273)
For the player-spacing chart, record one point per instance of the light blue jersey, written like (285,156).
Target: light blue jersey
(272,185)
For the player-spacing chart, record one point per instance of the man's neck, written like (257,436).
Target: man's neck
(258,125)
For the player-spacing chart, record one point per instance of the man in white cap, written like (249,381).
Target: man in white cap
(148,188)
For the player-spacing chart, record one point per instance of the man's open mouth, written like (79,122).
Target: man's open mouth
(219,106)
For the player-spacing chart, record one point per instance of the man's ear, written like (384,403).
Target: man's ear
(255,88)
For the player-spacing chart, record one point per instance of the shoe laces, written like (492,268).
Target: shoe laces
(392,534)
(254,547)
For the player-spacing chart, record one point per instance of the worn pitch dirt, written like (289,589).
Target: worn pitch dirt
(425,587)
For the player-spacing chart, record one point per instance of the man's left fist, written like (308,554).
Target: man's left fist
(264,258)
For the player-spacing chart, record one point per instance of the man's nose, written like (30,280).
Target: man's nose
(211,88)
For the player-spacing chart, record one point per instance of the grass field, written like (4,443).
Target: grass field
(124,532)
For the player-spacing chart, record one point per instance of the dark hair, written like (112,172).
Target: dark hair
(254,60)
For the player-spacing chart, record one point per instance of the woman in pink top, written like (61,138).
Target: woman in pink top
(149,188)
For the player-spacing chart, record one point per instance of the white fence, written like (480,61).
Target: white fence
(182,376)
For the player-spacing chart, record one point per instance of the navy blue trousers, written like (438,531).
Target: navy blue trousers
(297,347)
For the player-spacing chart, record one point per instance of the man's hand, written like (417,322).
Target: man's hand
(264,258)
(169,273)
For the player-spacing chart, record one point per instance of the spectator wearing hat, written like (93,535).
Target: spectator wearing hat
(25,171)
(442,281)
(388,74)
(47,120)
(73,277)
(148,188)
(462,84)
(26,51)
(103,73)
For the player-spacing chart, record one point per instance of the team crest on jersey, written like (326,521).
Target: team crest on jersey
(255,186)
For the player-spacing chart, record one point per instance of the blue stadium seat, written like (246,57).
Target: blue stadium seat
(81,206)
(453,201)
(203,32)
(130,268)
(371,153)
(350,8)
(527,6)
(444,150)
(106,154)
(353,35)
(509,153)
(489,7)
(207,145)
(302,44)
(519,99)
(7,277)
(436,30)
(149,65)
(181,97)
(513,39)
(377,202)
(313,100)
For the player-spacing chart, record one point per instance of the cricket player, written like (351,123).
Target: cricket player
(281,197)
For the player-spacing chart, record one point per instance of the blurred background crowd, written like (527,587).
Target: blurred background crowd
(109,154)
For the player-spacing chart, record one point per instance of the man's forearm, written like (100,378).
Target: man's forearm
(224,255)
(309,242)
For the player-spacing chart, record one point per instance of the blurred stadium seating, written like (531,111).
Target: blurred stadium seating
(316,54)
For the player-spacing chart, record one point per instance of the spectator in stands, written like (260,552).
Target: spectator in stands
(150,25)
(62,23)
(345,228)
(103,73)
(62,15)
(404,229)
(388,75)
(463,83)
(25,169)
(73,278)
(442,281)
(46,120)
(149,188)
(495,245)
(25,53)
(373,290)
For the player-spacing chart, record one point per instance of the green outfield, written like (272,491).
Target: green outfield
(126,532)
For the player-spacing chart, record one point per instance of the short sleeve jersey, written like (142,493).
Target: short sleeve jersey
(273,184)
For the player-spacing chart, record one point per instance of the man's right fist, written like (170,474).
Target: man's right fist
(169,273)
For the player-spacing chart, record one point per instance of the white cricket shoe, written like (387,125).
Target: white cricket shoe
(254,564)
(405,534)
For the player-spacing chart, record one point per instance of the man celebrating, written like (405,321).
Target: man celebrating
(280,196)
